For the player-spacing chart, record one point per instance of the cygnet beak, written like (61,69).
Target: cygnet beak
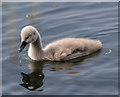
(22,46)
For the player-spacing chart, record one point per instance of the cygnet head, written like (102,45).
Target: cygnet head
(29,34)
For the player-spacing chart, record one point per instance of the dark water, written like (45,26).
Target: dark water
(95,74)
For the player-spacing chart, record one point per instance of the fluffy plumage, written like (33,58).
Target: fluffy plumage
(61,50)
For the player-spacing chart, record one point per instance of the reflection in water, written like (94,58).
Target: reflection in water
(34,80)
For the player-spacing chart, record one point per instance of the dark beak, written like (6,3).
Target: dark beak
(22,46)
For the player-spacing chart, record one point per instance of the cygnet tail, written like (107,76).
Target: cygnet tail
(99,44)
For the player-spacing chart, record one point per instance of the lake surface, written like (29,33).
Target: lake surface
(94,75)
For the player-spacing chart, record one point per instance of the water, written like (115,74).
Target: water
(93,75)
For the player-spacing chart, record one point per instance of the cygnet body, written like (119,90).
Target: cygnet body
(61,50)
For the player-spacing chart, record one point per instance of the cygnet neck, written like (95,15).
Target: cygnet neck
(35,50)
(37,44)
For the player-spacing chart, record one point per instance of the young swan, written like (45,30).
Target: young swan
(61,50)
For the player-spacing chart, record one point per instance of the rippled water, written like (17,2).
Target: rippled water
(95,74)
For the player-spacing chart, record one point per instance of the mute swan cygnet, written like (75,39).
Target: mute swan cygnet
(64,49)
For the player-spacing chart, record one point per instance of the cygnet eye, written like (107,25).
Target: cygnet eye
(27,37)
